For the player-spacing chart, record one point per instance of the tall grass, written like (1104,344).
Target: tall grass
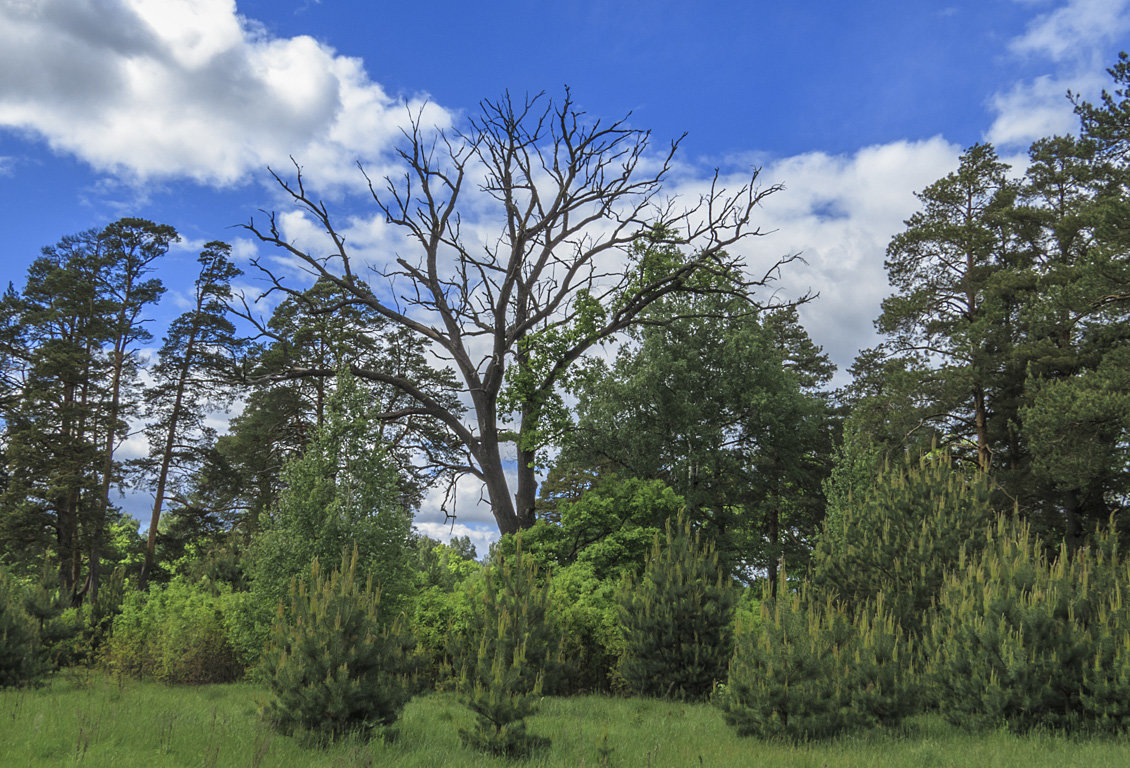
(95,720)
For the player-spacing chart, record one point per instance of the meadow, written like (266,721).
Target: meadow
(92,719)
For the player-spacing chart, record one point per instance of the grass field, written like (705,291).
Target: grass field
(93,720)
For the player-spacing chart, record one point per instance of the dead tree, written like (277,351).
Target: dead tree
(568,198)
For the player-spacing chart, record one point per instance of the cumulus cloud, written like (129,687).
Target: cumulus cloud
(838,212)
(1071,40)
(187,88)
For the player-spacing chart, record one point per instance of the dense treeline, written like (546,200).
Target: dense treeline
(945,532)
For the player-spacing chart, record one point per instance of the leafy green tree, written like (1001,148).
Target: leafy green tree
(610,527)
(175,633)
(343,492)
(722,404)
(677,618)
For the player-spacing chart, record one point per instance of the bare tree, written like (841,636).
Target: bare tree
(513,313)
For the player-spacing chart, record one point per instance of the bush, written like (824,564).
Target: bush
(1026,640)
(677,619)
(809,668)
(441,621)
(21,652)
(175,634)
(586,610)
(335,664)
(516,648)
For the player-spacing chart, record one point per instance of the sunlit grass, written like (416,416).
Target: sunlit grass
(95,720)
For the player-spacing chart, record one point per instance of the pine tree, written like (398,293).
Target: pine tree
(129,247)
(946,316)
(53,426)
(677,618)
(1026,639)
(194,370)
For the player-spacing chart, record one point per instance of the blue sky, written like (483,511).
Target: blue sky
(172,109)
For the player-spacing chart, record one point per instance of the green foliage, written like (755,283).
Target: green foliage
(586,609)
(903,537)
(21,651)
(677,618)
(811,668)
(335,664)
(442,606)
(1025,639)
(609,526)
(177,633)
(721,403)
(513,647)
(343,492)
(856,464)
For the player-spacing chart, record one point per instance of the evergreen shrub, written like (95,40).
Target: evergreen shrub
(677,618)
(1026,639)
(903,537)
(335,664)
(514,648)
(811,668)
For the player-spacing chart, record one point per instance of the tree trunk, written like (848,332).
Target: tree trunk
(773,533)
(167,457)
(494,476)
(981,423)
(527,479)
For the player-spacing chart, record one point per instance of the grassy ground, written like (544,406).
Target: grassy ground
(93,720)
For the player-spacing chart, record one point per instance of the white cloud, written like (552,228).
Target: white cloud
(839,212)
(1072,40)
(187,88)
(481,537)
(1035,109)
(1073,29)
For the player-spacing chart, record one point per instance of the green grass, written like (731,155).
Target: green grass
(93,720)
